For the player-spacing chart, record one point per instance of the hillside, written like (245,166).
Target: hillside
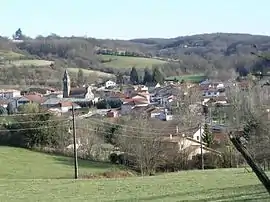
(31,176)
(20,163)
(217,54)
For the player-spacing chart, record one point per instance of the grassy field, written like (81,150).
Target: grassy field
(24,164)
(37,63)
(196,78)
(129,62)
(10,55)
(25,177)
(88,71)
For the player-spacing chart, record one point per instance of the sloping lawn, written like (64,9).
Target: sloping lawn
(17,163)
(129,62)
(19,168)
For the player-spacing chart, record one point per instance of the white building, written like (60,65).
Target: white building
(10,93)
(109,84)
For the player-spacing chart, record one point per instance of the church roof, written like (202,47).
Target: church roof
(77,91)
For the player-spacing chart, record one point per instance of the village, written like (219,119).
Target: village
(157,102)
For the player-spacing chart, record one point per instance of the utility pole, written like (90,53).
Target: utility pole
(201,144)
(74,145)
(257,169)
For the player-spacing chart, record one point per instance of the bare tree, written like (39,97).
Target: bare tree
(89,140)
(141,144)
(188,108)
(249,112)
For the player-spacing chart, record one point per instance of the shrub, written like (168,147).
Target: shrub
(113,158)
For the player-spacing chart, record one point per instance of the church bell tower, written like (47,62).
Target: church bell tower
(66,85)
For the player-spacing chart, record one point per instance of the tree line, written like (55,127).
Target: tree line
(148,76)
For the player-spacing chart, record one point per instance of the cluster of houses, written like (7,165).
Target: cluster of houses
(152,101)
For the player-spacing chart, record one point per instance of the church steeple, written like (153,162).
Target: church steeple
(66,84)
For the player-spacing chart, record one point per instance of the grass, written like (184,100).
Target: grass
(10,55)
(22,164)
(88,71)
(20,170)
(196,78)
(129,62)
(37,63)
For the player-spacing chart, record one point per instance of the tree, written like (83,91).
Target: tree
(249,114)
(143,146)
(119,78)
(134,78)
(10,108)
(147,76)
(40,128)
(207,136)
(188,107)
(80,77)
(157,75)
(111,133)
(18,34)
(3,110)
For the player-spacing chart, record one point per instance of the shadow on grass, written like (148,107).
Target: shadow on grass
(254,193)
(83,163)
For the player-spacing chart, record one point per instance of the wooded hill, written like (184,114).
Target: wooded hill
(218,55)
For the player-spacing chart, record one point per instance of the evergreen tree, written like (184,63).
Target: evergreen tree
(157,75)
(3,111)
(80,77)
(207,136)
(18,34)
(10,108)
(119,78)
(134,78)
(147,76)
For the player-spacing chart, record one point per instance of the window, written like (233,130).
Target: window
(198,137)
(23,102)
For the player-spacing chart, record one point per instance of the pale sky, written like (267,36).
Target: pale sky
(127,19)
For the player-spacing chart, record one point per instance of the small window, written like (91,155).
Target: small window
(198,137)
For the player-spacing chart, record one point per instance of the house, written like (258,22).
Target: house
(142,95)
(83,92)
(165,115)
(58,104)
(154,112)
(41,90)
(129,104)
(32,98)
(35,98)
(10,93)
(110,84)
(65,106)
(211,93)
(55,94)
(178,144)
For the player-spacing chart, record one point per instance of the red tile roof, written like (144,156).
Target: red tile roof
(34,98)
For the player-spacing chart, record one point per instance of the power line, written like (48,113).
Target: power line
(139,128)
(45,121)
(25,129)
(25,114)
(121,135)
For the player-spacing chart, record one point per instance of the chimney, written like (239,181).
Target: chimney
(170,136)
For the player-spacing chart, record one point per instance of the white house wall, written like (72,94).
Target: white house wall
(197,135)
